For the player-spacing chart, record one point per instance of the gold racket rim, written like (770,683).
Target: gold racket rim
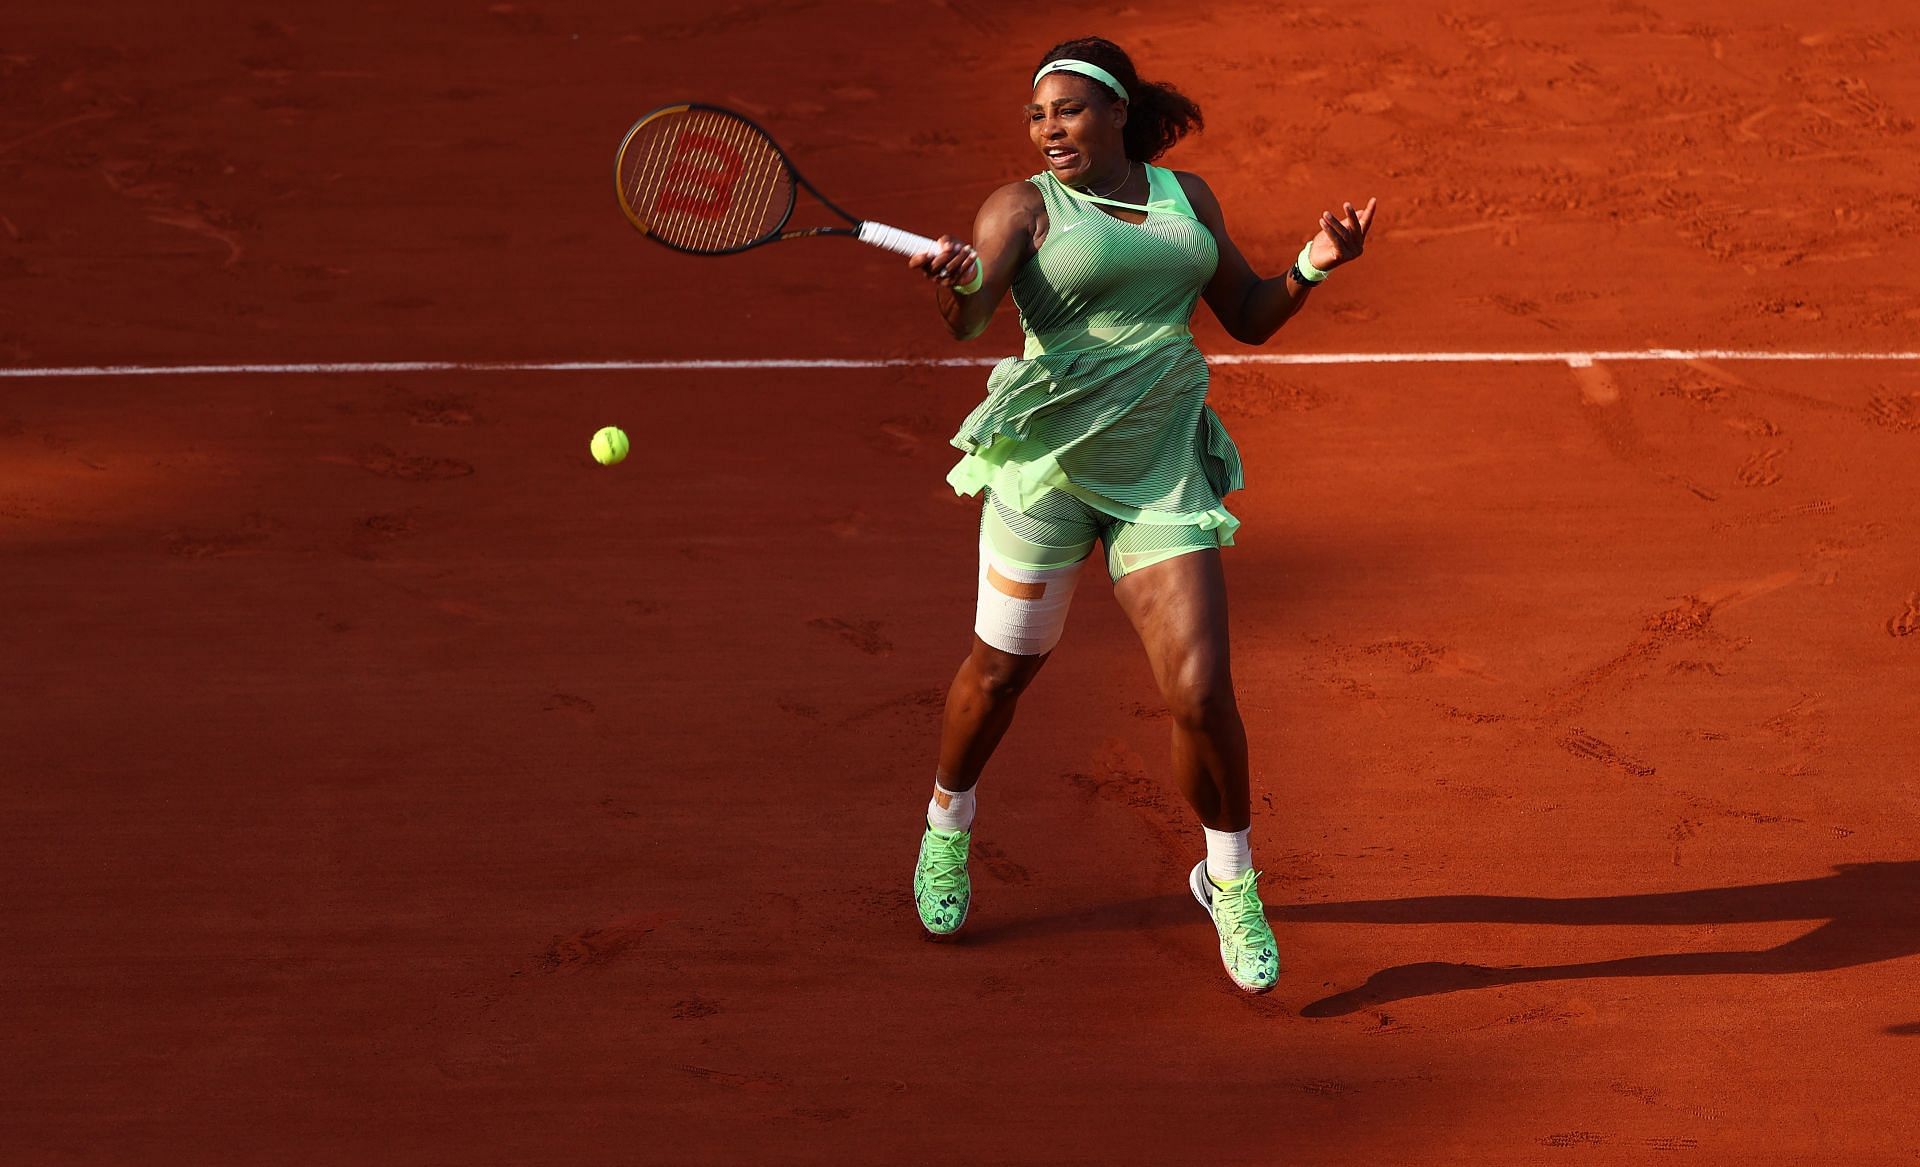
(620,156)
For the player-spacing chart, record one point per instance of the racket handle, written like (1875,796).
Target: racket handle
(894,239)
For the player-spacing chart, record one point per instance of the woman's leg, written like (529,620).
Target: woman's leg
(980,705)
(1029,562)
(1178,607)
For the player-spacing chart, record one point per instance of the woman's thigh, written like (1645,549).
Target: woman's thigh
(1134,547)
(1029,567)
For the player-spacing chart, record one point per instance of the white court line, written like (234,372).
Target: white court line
(1576,360)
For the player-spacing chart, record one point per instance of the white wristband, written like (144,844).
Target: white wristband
(1312,274)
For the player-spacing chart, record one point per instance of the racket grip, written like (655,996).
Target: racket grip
(894,239)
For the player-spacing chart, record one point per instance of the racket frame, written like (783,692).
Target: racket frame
(776,234)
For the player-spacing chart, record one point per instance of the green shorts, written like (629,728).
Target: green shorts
(1059,529)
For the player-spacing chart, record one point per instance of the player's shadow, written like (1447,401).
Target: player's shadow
(1150,912)
(1867,912)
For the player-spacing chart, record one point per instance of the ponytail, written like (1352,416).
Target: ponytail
(1158,115)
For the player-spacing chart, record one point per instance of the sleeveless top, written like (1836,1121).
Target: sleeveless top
(1108,400)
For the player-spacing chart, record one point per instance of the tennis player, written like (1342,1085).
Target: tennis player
(1100,432)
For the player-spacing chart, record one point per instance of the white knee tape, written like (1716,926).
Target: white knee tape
(1021,610)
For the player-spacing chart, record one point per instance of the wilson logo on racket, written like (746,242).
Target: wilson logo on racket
(702,179)
(692,185)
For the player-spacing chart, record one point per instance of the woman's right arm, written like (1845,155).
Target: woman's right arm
(1003,239)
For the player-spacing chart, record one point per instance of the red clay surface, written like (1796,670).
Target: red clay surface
(385,782)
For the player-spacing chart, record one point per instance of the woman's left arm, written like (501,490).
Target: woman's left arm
(1253,309)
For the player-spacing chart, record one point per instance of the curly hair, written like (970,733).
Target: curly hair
(1158,115)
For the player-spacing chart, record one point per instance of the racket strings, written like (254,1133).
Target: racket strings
(767,181)
(705,181)
(740,211)
(648,153)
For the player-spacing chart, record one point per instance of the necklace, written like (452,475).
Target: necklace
(1124,180)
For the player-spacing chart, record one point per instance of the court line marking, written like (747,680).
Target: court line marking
(1577,360)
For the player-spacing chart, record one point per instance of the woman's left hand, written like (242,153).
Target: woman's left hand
(1341,240)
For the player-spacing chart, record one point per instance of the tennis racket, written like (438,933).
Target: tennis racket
(708,181)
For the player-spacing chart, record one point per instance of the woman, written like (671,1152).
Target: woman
(1100,431)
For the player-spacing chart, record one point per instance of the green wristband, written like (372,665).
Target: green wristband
(1310,273)
(972,285)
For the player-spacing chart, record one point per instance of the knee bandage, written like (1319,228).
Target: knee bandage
(1022,610)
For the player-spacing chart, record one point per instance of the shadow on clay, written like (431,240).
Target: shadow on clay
(1116,916)
(1868,912)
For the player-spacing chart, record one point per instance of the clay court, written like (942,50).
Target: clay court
(386,782)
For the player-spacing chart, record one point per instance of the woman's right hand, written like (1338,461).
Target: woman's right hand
(1002,241)
(951,263)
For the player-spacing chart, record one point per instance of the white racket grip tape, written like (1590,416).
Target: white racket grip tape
(894,239)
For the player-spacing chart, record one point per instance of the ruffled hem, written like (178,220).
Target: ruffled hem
(1021,472)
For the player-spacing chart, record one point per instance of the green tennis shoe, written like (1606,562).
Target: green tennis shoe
(1246,939)
(941,887)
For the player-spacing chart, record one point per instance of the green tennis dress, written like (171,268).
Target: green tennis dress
(1108,402)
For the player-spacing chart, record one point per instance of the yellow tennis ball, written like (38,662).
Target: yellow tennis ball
(609,445)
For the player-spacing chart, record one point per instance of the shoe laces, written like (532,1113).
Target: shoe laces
(946,859)
(1238,907)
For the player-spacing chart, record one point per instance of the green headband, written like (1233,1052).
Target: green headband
(1094,72)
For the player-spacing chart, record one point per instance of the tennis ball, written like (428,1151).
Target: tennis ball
(609,445)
